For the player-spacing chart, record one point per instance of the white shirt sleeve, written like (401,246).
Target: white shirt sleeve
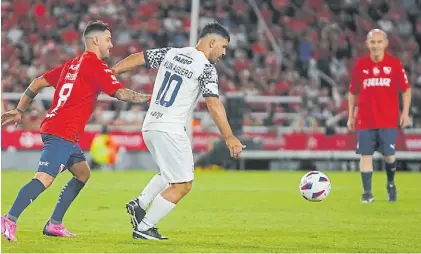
(208,81)
(154,57)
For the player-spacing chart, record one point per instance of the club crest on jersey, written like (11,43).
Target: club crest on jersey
(387,69)
(376,71)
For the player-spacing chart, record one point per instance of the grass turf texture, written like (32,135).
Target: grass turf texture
(227,212)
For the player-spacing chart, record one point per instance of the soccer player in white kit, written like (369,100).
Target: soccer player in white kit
(184,74)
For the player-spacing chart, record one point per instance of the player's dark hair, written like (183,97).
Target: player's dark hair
(214,28)
(95,26)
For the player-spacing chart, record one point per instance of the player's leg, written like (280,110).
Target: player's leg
(81,172)
(137,207)
(161,206)
(155,186)
(387,139)
(366,147)
(55,153)
(173,154)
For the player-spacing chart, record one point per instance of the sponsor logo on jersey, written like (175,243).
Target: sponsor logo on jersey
(71,76)
(371,82)
(43,163)
(183,59)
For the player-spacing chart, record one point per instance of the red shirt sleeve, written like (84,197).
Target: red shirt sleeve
(52,76)
(355,84)
(402,78)
(105,79)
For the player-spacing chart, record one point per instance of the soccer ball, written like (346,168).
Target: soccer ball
(315,186)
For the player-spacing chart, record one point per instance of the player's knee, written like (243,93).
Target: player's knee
(83,175)
(390,158)
(44,178)
(183,188)
(81,171)
(187,187)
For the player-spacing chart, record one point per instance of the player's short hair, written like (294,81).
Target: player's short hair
(96,26)
(214,28)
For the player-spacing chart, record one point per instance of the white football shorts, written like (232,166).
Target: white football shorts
(173,154)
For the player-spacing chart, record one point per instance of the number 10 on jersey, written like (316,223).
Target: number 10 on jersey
(169,79)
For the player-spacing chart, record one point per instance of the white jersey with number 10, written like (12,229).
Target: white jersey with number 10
(183,75)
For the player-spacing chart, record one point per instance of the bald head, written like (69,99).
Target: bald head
(376,43)
(377,31)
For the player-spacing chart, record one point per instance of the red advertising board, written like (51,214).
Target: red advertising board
(133,141)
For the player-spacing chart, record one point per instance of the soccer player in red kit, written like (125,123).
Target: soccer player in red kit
(376,82)
(77,84)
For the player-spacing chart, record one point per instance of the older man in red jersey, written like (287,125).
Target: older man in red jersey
(376,82)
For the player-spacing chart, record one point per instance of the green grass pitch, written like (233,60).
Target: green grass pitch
(227,212)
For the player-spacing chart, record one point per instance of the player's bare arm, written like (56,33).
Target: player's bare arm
(219,116)
(124,94)
(15,115)
(406,101)
(129,63)
(352,102)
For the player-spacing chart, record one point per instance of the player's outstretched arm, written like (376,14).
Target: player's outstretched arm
(129,63)
(219,116)
(124,94)
(15,115)
(34,88)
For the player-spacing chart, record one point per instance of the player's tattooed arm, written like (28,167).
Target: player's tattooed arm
(33,89)
(129,63)
(128,95)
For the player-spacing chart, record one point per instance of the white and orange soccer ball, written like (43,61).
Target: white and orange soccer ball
(315,186)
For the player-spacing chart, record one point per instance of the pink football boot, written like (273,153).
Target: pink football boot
(51,229)
(8,228)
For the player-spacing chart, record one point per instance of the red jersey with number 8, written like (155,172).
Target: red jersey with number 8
(377,85)
(78,83)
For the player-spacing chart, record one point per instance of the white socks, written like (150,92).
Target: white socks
(154,187)
(159,208)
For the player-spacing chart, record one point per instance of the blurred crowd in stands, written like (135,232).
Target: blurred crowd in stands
(319,41)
